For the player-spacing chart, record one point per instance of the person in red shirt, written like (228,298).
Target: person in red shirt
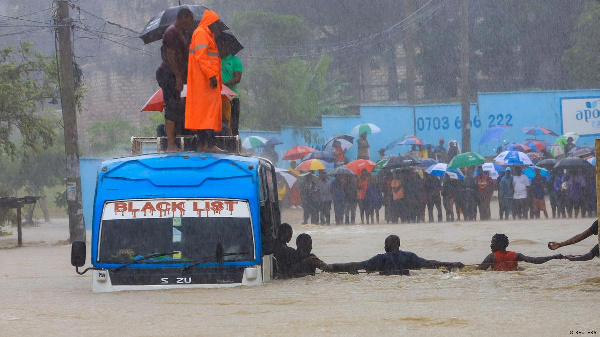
(503,260)
(486,189)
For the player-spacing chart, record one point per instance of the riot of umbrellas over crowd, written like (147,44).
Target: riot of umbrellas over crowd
(423,177)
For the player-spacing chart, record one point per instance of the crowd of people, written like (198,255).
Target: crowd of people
(411,195)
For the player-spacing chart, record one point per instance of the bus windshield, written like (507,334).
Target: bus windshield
(192,229)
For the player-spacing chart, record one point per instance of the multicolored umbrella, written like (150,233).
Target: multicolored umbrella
(508,158)
(538,131)
(493,133)
(253,142)
(369,128)
(493,169)
(342,171)
(359,165)
(465,160)
(312,165)
(380,163)
(516,147)
(535,156)
(441,169)
(592,160)
(346,141)
(410,140)
(297,152)
(537,145)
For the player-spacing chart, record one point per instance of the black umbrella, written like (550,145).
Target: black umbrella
(345,140)
(156,27)
(572,162)
(342,171)
(547,163)
(400,161)
(234,46)
(581,151)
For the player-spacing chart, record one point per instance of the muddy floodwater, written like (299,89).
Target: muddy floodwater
(40,293)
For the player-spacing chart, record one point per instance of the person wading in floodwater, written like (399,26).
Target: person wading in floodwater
(393,262)
(502,260)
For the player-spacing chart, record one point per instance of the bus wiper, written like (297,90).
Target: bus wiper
(210,259)
(144,258)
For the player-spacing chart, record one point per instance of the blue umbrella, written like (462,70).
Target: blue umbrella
(493,169)
(530,172)
(513,158)
(493,133)
(273,141)
(441,169)
(321,155)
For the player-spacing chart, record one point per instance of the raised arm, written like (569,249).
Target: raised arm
(538,260)
(579,237)
(487,262)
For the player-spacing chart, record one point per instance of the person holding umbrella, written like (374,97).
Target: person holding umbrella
(338,196)
(505,194)
(520,184)
(324,186)
(172,73)
(363,147)
(203,111)
(231,72)
(486,190)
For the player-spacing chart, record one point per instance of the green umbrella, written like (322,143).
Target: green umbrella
(253,141)
(369,128)
(465,160)
(379,164)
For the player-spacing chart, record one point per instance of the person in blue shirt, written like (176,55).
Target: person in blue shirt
(393,262)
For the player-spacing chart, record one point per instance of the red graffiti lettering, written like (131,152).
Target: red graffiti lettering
(164,208)
(200,210)
(132,210)
(178,206)
(148,207)
(120,207)
(230,205)
(217,207)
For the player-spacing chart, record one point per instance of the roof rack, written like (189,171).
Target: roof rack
(145,145)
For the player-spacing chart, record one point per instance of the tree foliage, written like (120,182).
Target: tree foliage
(288,91)
(28,80)
(583,58)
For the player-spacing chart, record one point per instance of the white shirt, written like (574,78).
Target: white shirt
(520,184)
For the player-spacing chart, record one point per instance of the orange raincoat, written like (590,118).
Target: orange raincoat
(203,108)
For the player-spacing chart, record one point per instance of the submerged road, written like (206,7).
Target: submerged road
(40,293)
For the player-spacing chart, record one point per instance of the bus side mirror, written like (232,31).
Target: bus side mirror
(78,253)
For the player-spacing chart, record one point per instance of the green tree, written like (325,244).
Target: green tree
(111,137)
(287,91)
(28,80)
(582,59)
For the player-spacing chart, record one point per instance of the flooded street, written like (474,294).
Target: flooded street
(42,295)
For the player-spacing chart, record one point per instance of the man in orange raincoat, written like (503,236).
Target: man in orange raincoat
(203,111)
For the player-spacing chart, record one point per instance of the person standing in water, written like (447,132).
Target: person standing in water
(502,260)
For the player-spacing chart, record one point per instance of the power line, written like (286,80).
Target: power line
(144,52)
(103,19)
(28,14)
(23,32)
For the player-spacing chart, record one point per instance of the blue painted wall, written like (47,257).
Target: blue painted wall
(428,122)
(432,122)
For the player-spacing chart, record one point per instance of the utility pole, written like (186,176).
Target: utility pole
(67,97)
(409,56)
(465,88)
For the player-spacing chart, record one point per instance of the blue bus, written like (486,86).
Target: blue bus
(182,220)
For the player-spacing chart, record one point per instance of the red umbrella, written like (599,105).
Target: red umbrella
(358,166)
(156,102)
(297,152)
